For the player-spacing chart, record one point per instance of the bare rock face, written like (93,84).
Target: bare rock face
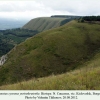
(3,59)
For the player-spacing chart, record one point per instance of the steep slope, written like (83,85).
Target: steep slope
(45,23)
(86,77)
(51,52)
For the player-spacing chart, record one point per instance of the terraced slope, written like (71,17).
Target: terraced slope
(45,23)
(51,52)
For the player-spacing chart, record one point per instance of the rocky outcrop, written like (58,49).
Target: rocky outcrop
(3,59)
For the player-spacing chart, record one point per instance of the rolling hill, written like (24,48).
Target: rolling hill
(54,52)
(45,23)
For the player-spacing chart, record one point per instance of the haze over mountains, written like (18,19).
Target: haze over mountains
(11,23)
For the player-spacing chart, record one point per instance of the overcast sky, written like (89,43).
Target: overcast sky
(30,9)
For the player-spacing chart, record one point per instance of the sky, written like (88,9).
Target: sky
(29,9)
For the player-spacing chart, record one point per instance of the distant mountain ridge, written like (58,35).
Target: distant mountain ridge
(66,16)
(46,23)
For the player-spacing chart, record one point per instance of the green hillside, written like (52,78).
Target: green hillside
(45,23)
(11,37)
(51,52)
(86,77)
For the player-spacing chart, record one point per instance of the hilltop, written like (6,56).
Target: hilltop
(45,23)
(54,51)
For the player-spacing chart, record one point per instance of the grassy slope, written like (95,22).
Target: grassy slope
(51,52)
(44,23)
(84,78)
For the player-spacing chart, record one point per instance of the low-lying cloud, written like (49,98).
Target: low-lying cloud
(38,8)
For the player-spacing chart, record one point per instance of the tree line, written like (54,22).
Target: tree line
(90,18)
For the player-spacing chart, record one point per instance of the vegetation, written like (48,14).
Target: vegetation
(45,23)
(5,47)
(86,77)
(51,52)
(90,18)
(66,16)
(11,37)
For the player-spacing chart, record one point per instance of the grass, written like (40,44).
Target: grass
(51,52)
(45,23)
(84,78)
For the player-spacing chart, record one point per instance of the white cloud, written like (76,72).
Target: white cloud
(19,6)
(78,7)
(36,8)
